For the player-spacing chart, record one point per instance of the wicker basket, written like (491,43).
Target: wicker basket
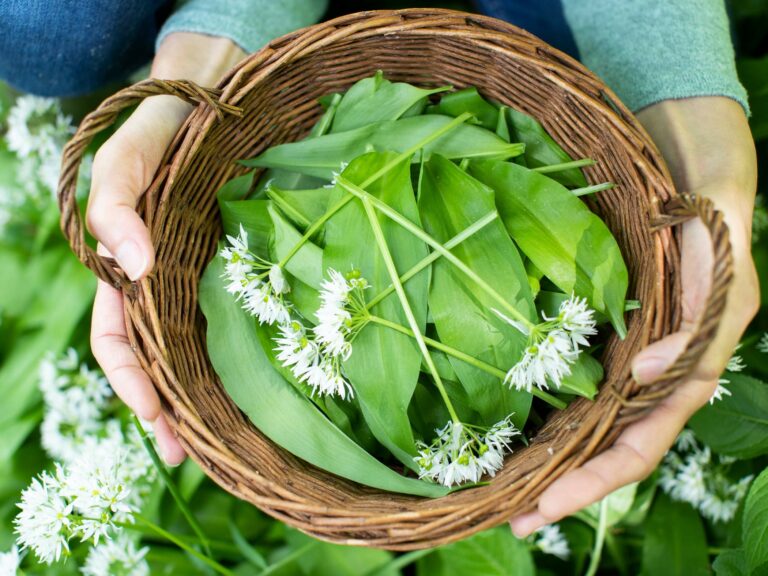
(269,98)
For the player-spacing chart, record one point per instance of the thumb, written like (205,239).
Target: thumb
(651,362)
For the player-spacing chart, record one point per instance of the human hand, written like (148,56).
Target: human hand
(708,147)
(122,170)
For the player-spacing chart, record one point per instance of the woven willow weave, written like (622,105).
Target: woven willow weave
(271,97)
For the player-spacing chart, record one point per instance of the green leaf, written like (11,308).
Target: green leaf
(675,543)
(737,425)
(450,201)
(307,263)
(541,149)
(619,502)
(468,100)
(254,217)
(280,411)
(324,155)
(755,524)
(586,374)
(558,232)
(376,99)
(494,552)
(337,560)
(730,563)
(302,206)
(383,387)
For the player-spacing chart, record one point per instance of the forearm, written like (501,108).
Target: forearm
(653,50)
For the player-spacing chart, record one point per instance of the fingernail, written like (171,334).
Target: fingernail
(648,369)
(131,259)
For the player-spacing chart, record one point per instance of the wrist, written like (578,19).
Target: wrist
(197,57)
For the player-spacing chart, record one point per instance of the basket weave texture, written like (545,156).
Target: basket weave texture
(270,98)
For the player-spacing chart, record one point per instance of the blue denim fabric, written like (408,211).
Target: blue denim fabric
(542,18)
(71,47)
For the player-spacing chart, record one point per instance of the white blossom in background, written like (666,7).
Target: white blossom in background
(10,562)
(691,473)
(762,345)
(119,557)
(550,540)
(461,453)
(553,346)
(260,285)
(735,364)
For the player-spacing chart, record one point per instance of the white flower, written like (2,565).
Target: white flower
(720,391)
(553,346)
(550,540)
(43,525)
(762,345)
(37,126)
(10,562)
(735,364)
(462,453)
(691,473)
(116,557)
(341,302)
(246,273)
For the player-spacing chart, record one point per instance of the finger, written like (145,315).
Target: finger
(113,352)
(633,456)
(168,445)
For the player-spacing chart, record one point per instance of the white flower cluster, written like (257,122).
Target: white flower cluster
(691,473)
(463,453)
(10,562)
(735,364)
(550,540)
(762,345)
(553,346)
(314,356)
(84,500)
(117,556)
(260,285)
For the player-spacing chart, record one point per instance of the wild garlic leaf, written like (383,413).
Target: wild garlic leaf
(384,365)
(302,207)
(323,156)
(468,100)
(275,407)
(566,241)
(541,149)
(376,99)
(253,216)
(450,201)
(755,525)
(586,374)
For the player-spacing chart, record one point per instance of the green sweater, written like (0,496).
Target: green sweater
(645,50)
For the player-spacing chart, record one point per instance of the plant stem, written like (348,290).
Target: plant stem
(434,255)
(183,545)
(394,276)
(172,488)
(597,550)
(464,357)
(317,224)
(288,559)
(394,215)
(592,189)
(564,166)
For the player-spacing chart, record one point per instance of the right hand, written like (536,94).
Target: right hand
(123,168)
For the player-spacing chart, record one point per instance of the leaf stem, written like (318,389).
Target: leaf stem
(434,255)
(394,215)
(464,357)
(172,488)
(564,166)
(317,224)
(378,233)
(597,550)
(183,545)
(592,189)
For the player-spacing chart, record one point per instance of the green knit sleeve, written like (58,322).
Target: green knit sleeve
(653,50)
(248,23)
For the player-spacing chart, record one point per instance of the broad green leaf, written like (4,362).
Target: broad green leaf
(675,543)
(494,552)
(324,155)
(303,207)
(558,232)
(451,201)
(468,100)
(586,374)
(619,502)
(376,99)
(730,563)
(383,387)
(737,425)
(254,218)
(755,524)
(307,263)
(541,149)
(334,559)
(275,407)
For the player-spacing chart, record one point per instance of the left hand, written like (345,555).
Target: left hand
(708,147)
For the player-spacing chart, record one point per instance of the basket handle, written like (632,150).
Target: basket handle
(678,210)
(104,116)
